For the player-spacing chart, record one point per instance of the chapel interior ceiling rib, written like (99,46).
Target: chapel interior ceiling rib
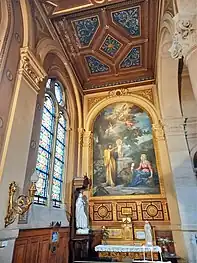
(110,45)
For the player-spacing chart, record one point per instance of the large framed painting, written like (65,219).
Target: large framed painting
(124,161)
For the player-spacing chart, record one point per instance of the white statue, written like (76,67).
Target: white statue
(148,234)
(81,217)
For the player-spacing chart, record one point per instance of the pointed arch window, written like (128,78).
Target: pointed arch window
(50,163)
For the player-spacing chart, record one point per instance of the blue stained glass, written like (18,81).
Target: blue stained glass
(62,121)
(58,169)
(61,129)
(45,147)
(56,190)
(41,185)
(59,159)
(59,153)
(45,138)
(49,104)
(58,93)
(42,160)
(48,84)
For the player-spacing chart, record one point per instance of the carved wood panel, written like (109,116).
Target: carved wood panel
(33,246)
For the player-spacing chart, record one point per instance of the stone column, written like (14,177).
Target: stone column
(17,141)
(169,189)
(185,183)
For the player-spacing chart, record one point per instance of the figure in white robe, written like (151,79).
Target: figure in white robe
(81,217)
(148,234)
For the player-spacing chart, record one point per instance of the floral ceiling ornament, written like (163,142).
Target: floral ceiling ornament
(185,37)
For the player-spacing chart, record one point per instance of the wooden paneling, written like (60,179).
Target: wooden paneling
(20,252)
(33,246)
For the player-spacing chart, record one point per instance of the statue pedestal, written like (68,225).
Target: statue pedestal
(80,245)
(82,231)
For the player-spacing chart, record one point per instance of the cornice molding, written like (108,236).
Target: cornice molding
(174,126)
(31,69)
(191,128)
(185,36)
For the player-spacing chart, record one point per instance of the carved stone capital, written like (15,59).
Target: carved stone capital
(31,69)
(185,36)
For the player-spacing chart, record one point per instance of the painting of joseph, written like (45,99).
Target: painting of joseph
(124,160)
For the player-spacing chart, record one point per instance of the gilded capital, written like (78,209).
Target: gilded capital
(87,139)
(158,131)
(31,69)
(185,37)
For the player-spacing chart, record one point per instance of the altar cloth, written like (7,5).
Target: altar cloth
(123,252)
(121,248)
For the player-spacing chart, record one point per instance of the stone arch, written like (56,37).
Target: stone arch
(46,46)
(167,71)
(28,25)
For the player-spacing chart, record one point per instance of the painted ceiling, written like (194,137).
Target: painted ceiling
(112,44)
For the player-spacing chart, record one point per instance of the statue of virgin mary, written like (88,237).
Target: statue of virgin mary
(80,216)
(148,234)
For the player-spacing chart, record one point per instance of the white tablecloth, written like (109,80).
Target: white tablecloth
(120,248)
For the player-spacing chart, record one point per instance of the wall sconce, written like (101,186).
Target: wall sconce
(22,204)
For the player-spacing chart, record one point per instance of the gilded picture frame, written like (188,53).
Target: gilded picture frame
(100,104)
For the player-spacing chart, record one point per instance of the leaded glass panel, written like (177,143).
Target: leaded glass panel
(50,146)
(59,159)
(45,148)
(59,93)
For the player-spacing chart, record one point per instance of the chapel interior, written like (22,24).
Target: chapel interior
(98,131)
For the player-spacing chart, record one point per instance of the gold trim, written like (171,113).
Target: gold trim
(145,93)
(132,97)
(21,205)
(73,9)
(30,68)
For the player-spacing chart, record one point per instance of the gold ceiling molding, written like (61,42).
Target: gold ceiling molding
(31,69)
(145,93)
(49,7)
(73,9)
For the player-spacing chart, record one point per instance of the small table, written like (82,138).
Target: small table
(120,252)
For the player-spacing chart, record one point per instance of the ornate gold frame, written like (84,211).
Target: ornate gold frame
(21,205)
(145,98)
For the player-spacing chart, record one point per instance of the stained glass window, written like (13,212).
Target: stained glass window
(58,93)
(59,161)
(45,149)
(51,152)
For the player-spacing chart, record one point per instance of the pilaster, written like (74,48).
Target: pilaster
(18,135)
(87,146)
(183,176)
